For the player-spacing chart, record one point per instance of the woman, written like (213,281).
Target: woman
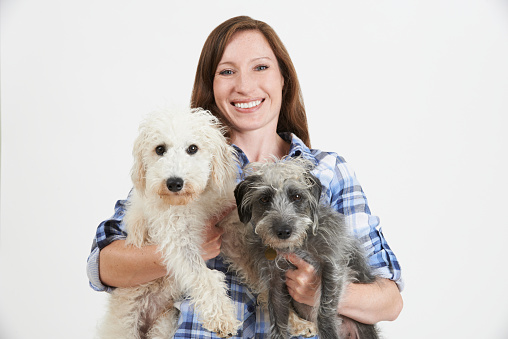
(246,78)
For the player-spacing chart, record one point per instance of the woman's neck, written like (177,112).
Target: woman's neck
(258,146)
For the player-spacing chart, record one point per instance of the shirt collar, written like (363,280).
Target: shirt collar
(297,148)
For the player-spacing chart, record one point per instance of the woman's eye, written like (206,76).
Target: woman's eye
(261,68)
(192,149)
(226,72)
(160,150)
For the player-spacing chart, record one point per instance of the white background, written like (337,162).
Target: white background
(413,94)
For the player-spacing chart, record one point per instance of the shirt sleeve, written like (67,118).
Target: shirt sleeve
(107,232)
(346,195)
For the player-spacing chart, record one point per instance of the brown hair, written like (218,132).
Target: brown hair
(292,116)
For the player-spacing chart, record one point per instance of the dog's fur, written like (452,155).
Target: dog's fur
(279,205)
(184,173)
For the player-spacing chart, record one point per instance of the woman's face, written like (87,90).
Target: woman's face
(248,84)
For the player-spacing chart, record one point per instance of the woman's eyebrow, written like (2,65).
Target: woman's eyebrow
(252,60)
(261,58)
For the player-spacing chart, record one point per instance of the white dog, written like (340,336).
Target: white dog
(184,173)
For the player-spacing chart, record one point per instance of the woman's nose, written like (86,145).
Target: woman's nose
(244,83)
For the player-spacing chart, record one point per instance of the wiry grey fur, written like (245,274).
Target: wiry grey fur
(279,206)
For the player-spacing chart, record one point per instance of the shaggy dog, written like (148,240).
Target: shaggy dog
(184,173)
(279,205)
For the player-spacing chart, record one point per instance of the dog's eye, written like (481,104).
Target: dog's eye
(264,200)
(192,149)
(296,197)
(160,150)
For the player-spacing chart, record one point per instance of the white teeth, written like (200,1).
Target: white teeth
(247,104)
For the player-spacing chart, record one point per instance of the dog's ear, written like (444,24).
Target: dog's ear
(224,166)
(315,189)
(138,173)
(244,204)
(315,186)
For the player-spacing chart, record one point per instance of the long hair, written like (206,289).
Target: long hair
(292,116)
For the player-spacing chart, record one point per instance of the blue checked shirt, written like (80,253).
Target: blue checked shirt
(340,188)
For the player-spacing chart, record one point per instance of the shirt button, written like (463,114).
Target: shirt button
(251,308)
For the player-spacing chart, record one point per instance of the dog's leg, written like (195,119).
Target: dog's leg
(213,304)
(352,329)
(331,287)
(206,288)
(279,300)
(301,327)
(123,318)
(165,325)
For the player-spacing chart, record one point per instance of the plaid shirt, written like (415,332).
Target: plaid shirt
(340,188)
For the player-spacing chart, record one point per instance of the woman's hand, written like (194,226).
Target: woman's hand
(303,284)
(213,240)
(366,303)
(213,236)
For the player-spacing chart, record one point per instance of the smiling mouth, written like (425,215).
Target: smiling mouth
(246,105)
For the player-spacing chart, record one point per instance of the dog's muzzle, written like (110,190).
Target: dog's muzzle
(283,231)
(174,184)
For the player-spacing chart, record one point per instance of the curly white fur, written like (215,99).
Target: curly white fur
(188,145)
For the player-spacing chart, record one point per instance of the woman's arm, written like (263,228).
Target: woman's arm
(366,303)
(128,266)
(371,303)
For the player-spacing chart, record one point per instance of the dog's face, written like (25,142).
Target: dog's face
(280,201)
(177,154)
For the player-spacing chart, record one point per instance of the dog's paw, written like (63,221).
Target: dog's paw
(216,308)
(224,327)
(301,327)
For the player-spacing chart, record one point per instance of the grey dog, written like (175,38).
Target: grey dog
(279,206)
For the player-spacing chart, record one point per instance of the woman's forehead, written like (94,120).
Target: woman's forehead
(247,45)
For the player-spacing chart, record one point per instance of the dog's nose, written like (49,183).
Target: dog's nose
(283,232)
(174,184)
